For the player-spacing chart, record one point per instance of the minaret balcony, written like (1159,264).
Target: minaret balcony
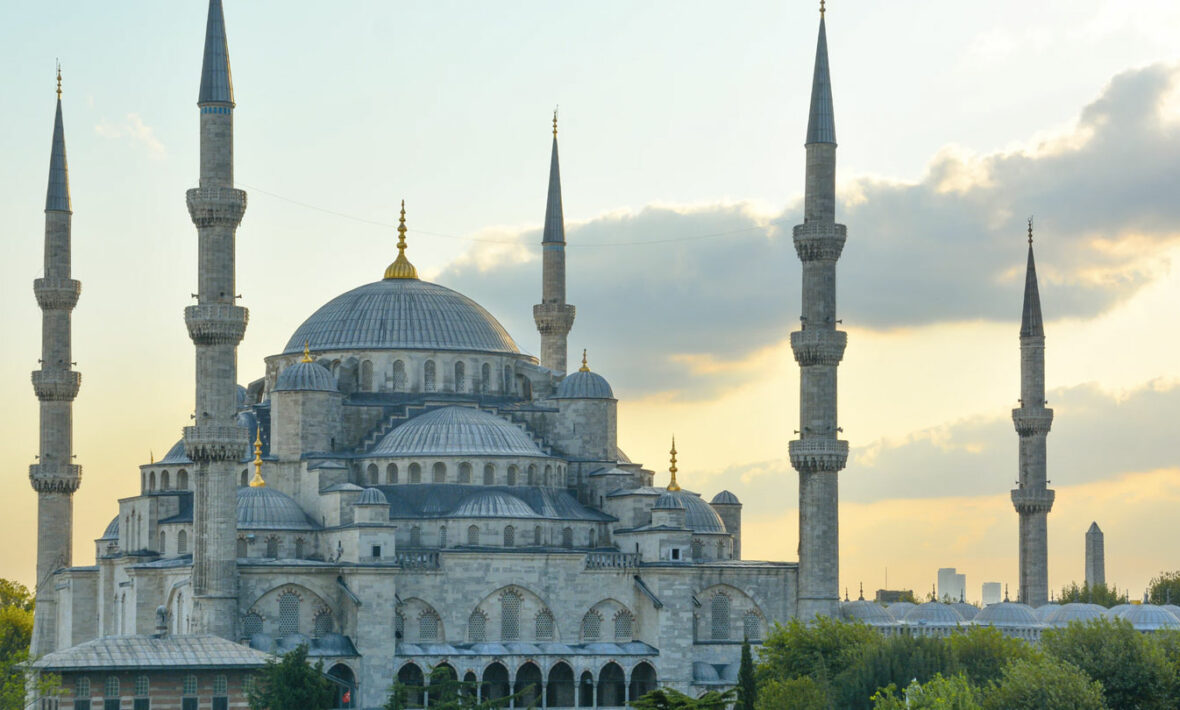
(818,455)
(55,478)
(553,318)
(56,385)
(1033,500)
(818,346)
(1031,421)
(216,323)
(57,294)
(216,206)
(820,241)
(211,442)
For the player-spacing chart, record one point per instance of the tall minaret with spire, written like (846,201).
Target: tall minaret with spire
(55,476)
(553,315)
(818,455)
(216,325)
(1032,497)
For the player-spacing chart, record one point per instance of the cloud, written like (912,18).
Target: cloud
(679,293)
(134,128)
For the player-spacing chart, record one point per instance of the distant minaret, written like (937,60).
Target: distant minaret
(818,455)
(553,315)
(216,325)
(1032,498)
(55,477)
(1095,556)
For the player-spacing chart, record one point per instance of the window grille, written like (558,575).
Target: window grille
(251,624)
(288,614)
(591,626)
(243,551)
(415,536)
(190,685)
(532,475)
(752,626)
(567,537)
(399,624)
(391,473)
(220,686)
(473,535)
(442,537)
(477,627)
(623,624)
(698,549)
(460,377)
(111,687)
(510,616)
(299,548)
(415,473)
(485,378)
(544,624)
(428,626)
(371,469)
(512,475)
(182,543)
(721,549)
(248,685)
(272,547)
(428,376)
(323,624)
(537,535)
(509,536)
(399,376)
(440,472)
(82,688)
(464,472)
(720,613)
(489,475)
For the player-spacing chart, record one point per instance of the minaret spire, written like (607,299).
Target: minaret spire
(1032,498)
(55,476)
(818,455)
(216,325)
(554,317)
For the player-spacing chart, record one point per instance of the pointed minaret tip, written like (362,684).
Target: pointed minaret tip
(554,232)
(57,196)
(821,121)
(1031,322)
(217,85)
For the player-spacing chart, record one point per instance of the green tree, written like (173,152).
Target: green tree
(290,683)
(1168,641)
(16,631)
(802,693)
(981,652)
(896,661)
(820,650)
(1133,671)
(1164,588)
(1043,683)
(747,687)
(15,594)
(953,693)
(1093,594)
(668,699)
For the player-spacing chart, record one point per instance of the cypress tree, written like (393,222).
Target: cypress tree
(747,688)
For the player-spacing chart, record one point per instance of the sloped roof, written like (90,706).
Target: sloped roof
(147,652)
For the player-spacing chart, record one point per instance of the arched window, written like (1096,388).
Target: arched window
(567,537)
(473,535)
(477,627)
(537,535)
(591,626)
(399,625)
(288,613)
(428,376)
(415,536)
(152,481)
(544,625)
(242,549)
(399,376)
(272,547)
(592,539)
(251,624)
(752,626)
(532,479)
(612,686)
(367,376)
(509,536)
(415,473)
(512,475)
(391,473)
(182,543)
(510,616)
(323,623)
(428,626)
(243,479)
(643,680)
(372,471)
(299,544)
(485,378)
(110,688)
(143,686)
(164,481)
(410,677)
(489,475)
(182,479)
(548,481)
(528,685)
(163,543)
(698,549)
(623,624)
(460,377)
(719,609)
(190,686)
(586,690)
(507,379)
(465,472)
(442,537)
(439,471)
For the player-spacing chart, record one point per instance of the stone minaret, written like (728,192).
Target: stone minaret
(1095,556)
(818,455)
(553,315)
(55,476)
(1032,498)
(216,325)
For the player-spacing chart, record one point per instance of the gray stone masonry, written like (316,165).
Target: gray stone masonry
(1095,556)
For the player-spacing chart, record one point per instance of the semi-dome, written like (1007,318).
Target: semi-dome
(699,516)
(112,531)
(1149,617)
(371,496)
(493,504)
(725,498)
(584,384)
(933,614)
(402,314)
(1006,614)
(871,613)
(305,376)
(457,431)
(265,508)
(1074,611)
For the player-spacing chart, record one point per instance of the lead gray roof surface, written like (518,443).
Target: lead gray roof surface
(584,385)
(57,196)
(821,122)
(1031,323)
(402,314)
(142,652)
(440,500)
(267,509)
(216,82)
(554,232)
(1007,614)
(305,376)
(457,431)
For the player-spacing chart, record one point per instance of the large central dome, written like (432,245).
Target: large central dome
(402,314)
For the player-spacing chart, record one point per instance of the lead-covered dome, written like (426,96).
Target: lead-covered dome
(265,508)
(1074,611)
(933,614)
(1149,617)
(584,384)
(493,504)
(870,613)
(305,377)
(699,516)
(402,314)
(1007,615)
(457,431)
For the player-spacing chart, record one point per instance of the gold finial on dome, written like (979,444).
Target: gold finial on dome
(401,268)
(307,351)
(672,484)
(151,456)
(584,367)
(257,481)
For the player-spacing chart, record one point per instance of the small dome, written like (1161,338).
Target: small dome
(584,384)
(1044,611)
(1068,613)
(871,613)
(1172,608)
(933,614)
(305,377)
(967,611)
(112,531)
(457,431)
(667,501)
(899,609)
(265,508)
(725,498)
(372,496)
(704,672)
(699,515)
(1114,611)
(1006,614)
(493,504)
(1149,617)
(176,455)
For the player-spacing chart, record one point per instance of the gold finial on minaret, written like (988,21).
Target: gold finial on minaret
(554,121)
(401,268)
(1030,231)
(307,351)
(821,8)
(257,481)
(584,367)
(672,484)
(151,456)
(59,79)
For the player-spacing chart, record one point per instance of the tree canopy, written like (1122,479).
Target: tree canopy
(290,683)
(1093,594)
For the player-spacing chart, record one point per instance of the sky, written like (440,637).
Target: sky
(681,130)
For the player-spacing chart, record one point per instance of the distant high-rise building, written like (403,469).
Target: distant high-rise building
(992,593)
(1095,556)
(951,585)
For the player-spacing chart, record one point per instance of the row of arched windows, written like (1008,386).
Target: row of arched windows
(531,475)
(480,382)
(557,689)
(271,543)
(721,621)
(289,616)
(181,542)
(165,480)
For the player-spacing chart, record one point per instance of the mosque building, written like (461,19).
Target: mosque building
(406,490)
